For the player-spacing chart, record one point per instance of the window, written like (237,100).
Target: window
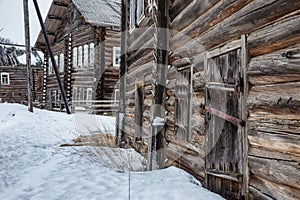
(61,62)
(59,97)
(53,97)
(5,79)
(116,95)
(92,54)
(74,95)
(132,14)
(79,57)
(75,57)
(89,96)
(183,91)
(86,55)
(140,9)
(50,67)
(56,60)
(81,96)
(116,56)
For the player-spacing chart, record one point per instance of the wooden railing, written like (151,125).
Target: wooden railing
(97,106)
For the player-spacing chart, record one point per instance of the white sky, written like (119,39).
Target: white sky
(12,19)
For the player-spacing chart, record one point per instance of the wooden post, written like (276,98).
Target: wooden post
(28,56)
(123,72)
(158,139)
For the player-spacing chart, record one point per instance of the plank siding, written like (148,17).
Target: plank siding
(16,91)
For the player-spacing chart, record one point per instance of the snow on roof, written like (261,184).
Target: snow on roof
(100,12)
(34,60)
(95,12)
(17,56)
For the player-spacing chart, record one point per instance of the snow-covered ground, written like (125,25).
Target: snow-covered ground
(33,166)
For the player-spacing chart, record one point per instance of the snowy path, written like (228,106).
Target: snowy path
(33,166)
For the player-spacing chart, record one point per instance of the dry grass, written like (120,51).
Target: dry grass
(100,139)
(102,148)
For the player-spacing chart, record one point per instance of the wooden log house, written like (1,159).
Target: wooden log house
(213,87)
(13,74)
(85,39)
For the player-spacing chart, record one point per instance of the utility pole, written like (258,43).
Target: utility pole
(28,56)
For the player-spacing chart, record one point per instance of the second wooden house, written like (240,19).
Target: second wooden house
(85,39)
(13,75)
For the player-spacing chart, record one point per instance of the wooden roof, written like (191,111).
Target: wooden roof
(95,12)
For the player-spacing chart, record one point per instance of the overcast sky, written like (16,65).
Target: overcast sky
(12,19)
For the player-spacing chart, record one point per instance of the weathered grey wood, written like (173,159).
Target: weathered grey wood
(283,96)
(220,11)
(191,12)
(281,66)
(245,20)
(177,6)
(274,190)
(279,35)
(256,194)
(282,172)
(272,143)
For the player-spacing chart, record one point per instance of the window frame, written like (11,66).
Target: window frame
(56,60)
(75,94)
(61,62)
(115,49)
(50,67)
(80,60)
(132,14)
(140,10)
(89,97)
(85,55)
(7,78)
(75,57)
(92,54)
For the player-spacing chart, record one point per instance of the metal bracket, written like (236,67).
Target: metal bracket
(225,116)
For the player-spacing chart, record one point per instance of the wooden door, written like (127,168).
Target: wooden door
(224,114)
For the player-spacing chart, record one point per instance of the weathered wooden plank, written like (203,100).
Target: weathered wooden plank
(256,194)
(284,97)
(274,190)
(282,172)
(251,17)
(191,12)
(177,6)
(219,12)
(277,67)
(283,33)
(274,143)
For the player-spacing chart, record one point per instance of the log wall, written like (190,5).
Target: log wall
(139,82)
(273,101)
(272,127)
(16,91)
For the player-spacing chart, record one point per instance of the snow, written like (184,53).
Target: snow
(33,166)
(22,59)
(158,121)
